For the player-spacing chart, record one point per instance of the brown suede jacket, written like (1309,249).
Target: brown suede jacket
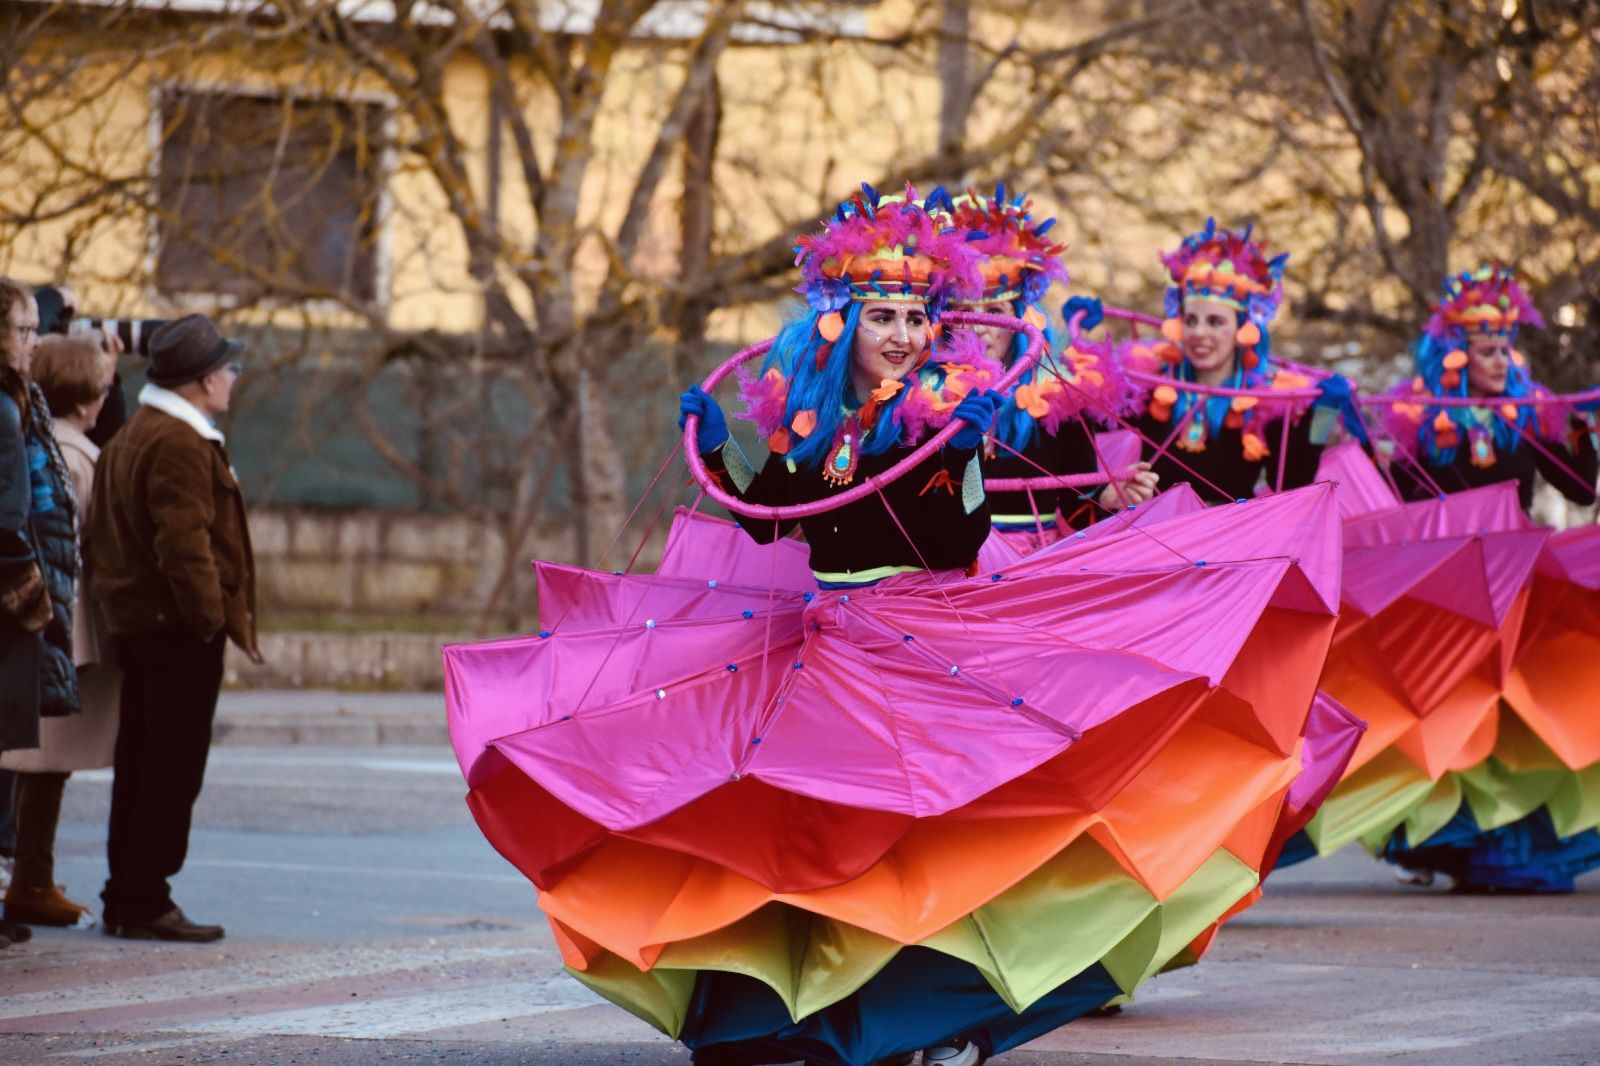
(168,540)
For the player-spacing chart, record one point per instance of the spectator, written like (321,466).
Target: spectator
(28,660)
(74,374)
(170,551)
(58,307)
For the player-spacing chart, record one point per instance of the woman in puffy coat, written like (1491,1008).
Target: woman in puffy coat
(38,548)
(75,375)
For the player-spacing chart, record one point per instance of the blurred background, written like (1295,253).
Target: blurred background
(478,247)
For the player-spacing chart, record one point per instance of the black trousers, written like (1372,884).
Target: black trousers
(170,680)
(37,804)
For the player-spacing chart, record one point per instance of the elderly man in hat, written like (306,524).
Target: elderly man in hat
(170,551)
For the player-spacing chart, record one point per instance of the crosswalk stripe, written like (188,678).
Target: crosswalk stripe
(426,1012)
(248,975)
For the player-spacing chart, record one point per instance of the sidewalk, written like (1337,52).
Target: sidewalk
(282,718)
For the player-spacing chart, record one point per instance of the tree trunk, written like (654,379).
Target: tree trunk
(955,84)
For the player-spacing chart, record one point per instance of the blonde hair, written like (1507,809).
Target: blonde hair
(70,371)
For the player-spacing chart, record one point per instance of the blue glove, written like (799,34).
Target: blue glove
(1589,406)
(1339,394)
(713,425)
(1336,392)
(1094,312)
(977,410)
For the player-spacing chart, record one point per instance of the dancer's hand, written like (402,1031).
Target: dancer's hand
(1139,488)
(713,424)
(1338,393)
(977,410)
(1094,312)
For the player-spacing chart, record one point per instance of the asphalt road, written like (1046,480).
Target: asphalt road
(368,922)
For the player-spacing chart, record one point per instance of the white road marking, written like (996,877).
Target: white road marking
(362,871)
(304,968)
(376,1019)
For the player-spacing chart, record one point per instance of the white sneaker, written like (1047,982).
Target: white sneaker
(1417,878)
(959,1053)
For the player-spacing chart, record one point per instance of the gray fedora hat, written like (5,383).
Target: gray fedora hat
(187,349)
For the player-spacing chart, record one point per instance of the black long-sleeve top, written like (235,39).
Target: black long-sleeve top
(1571,468)
(1069,451)
(858,541)
(1223,462)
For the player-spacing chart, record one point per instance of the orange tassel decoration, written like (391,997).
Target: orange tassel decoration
(1450,378)
(1172,329)
(1455,360)
(1170,353)
(831,326)
(1161,401)
(1248,335)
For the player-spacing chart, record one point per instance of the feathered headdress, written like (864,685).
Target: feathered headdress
(1233,268)
(1487,301)
(1228,267)
(877,248)
(1019,261)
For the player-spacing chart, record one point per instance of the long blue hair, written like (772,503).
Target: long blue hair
(1217,407)
(1014,427)
(1429,353)
(826,391)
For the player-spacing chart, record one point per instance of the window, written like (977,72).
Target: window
(267,195)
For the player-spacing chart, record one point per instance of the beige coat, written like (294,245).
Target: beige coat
(86,740)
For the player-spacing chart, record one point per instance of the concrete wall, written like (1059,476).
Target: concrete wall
(376,565)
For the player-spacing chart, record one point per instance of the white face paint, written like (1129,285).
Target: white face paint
(889,340)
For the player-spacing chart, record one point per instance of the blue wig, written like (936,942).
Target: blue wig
(1430,352)
(1014,427)
(826,391)
(1217,407)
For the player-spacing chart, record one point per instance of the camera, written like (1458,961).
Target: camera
(135,333)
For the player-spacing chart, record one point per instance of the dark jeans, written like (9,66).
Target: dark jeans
(38,812)
(170,680)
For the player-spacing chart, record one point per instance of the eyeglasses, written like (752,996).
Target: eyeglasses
(26,331)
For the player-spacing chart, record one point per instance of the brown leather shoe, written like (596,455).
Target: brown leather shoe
(42,906)
(15,932)
(170,926)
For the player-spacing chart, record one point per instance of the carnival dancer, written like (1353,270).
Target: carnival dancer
(1044,426)
(1469,349)
(1225,292)
(903,810)
(837,381)
(1494,787)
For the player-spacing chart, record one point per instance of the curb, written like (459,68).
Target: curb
(330,719)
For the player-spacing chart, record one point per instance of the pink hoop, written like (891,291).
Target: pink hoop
(1062,481)
(1483,401)
(1155,380)
(871,485)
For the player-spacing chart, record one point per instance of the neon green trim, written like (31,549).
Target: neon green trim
(863,577)
(1019,521)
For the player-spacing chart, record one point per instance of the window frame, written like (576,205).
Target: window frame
(207,301)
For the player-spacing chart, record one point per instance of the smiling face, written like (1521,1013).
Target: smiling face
(1209,327)
(1488,364)
(889,340)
